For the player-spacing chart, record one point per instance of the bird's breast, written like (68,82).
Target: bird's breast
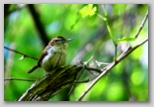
(55,57)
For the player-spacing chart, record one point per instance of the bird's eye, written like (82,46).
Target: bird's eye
(58,41)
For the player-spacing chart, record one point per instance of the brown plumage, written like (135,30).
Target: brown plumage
(53,55)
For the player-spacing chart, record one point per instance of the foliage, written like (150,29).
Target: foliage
(103,31)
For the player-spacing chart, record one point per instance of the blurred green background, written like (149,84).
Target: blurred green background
(127,81)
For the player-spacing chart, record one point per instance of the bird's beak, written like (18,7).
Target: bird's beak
(68,40)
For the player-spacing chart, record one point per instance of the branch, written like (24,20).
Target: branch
(85,81)
(20,79)
(93,69)
(38,24)
(110,66)
(142,24)
(49,85)
(84,66)
(71,90)
(20,53)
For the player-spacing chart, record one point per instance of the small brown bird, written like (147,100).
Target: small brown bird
(54,55)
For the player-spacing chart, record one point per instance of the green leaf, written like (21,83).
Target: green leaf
(125,39)
(88,10)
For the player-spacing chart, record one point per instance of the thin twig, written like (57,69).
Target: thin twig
(81,71)
(20,53)
(109,67)
(84,67)
(142,24)
(19,79)
(126,53)
(85,81)
(93,69)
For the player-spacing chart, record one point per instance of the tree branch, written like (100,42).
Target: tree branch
(20,53)
(71,90)
(51,84)
(20,79)
(142,24)
(38,24)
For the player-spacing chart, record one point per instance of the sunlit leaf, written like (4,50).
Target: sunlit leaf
(22,57)
(88,10)
(125,39)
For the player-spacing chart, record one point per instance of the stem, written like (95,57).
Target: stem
(109,30)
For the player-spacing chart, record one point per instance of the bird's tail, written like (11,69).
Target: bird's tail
(33,68)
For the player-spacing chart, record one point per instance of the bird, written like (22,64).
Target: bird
(54,55)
